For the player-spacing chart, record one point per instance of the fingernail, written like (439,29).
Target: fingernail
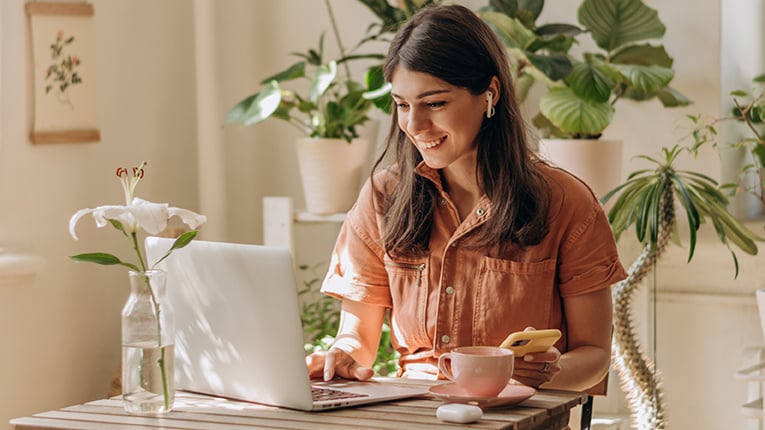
(327,377)
(528,357)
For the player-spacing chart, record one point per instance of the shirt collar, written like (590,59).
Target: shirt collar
(432,174)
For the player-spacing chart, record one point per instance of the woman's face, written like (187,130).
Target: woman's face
(440,119)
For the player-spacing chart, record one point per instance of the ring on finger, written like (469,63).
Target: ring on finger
(545,368)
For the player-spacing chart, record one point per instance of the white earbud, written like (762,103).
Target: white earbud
(490,105)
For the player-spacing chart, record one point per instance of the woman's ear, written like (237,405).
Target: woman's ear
(494,88)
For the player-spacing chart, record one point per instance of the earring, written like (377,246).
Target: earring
(490,105)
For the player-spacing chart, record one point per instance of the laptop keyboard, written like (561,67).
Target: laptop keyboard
(318,393)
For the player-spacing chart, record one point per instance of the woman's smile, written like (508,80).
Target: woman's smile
(430,144)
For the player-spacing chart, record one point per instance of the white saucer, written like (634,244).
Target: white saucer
(513,394)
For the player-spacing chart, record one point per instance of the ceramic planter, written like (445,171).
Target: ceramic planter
(331,172)
(598,162)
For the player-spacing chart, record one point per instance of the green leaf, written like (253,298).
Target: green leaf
(654,213)
(555,67)
(558,44)
(643,55)
(670,97)
(510,30)
(295,71)
(257,107)
(379,90)
(117,224)
(323,79)
(263,105)
(533,7)
(558,29)
(507,7)
(759,152)
(575,115)
(237,112)
(184,239)
(588,82)
(645,78)
(103,259)
(389,15)
(694,221)
(615,23)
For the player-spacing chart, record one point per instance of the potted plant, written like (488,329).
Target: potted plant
(329,114)
(582,92)
(647,201)
(746,134)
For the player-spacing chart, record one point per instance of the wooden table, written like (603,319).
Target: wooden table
(545,410)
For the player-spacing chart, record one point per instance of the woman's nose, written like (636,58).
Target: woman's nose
(417,122)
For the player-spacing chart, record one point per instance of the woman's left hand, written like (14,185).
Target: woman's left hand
(537,368)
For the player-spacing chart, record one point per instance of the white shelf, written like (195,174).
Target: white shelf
(279,218)
(304,216)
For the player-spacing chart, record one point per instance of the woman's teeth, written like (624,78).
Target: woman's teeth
(432,143)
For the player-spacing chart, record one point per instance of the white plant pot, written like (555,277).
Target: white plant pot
(331,171)
(598,162)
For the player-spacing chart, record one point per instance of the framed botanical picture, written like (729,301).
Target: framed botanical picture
(64,73)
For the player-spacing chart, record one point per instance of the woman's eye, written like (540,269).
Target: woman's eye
(435,104)
(402,105)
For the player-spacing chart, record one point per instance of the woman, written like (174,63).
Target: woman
(466,237)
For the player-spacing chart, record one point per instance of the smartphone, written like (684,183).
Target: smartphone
(526,342)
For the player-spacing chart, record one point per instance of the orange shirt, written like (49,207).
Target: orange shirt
(456,295)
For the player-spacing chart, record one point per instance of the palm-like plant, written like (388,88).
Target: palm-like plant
(700,196)
(646,200)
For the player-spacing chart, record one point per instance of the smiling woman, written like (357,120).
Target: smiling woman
(467,237)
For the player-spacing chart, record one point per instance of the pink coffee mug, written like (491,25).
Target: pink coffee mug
(480,371)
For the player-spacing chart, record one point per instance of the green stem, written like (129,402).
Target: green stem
(161,361)
(137,249)
(337,38)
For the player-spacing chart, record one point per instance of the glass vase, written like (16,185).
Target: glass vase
(148,361)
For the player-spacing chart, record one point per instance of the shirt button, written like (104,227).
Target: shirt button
(454,244)
(445,338)
(450,290)
(480,211)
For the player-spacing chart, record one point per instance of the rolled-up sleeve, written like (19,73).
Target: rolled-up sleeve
(357,271)
(589,259)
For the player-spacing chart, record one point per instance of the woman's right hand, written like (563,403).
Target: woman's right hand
(336,362)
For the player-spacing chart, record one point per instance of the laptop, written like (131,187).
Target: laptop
(238,332)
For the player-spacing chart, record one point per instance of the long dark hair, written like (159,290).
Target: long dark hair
(453,44)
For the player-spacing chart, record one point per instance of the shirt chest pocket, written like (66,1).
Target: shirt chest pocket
(408,279)
(511,296)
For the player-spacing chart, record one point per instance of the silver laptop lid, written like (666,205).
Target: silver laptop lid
(238,331)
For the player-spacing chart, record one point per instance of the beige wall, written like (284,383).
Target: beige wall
(61,331)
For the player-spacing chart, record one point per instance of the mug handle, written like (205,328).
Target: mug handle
(445,365)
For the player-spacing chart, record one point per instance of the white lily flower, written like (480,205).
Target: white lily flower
(152,218)
(140,214)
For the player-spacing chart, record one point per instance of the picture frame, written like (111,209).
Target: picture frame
(63,69)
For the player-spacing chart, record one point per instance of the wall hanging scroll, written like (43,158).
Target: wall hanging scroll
(64,73)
